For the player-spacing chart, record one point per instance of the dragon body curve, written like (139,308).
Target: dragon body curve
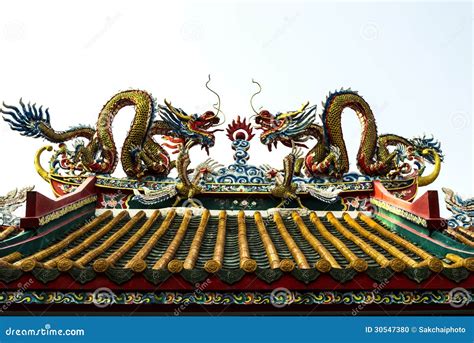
(140,154)
(329,155)
(373,156)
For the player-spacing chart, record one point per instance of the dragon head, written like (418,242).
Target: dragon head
(424,146)
(412,159)
(194,128)
(287,128)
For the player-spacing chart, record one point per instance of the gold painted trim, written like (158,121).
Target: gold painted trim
(370,251)
(10,258)
(137,262)
(295,251)
(101,265)
(66,209)
(89,256)
(248,264)
(400,212)
(355,262)
(42,254)
(193,252)
(215,264)
(87,242)
(392,250)
(270,249)
(314,242)
(162,263)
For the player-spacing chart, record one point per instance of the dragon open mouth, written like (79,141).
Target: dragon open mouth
(289,128)
(202,127)
(270,135)
(287,142)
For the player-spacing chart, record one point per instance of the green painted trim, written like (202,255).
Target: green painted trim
(405,221)
(440,236)
(245,201)
(380,204)
(18,238)
(433,248)
(30,247)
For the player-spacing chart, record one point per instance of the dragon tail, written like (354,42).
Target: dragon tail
(32,121)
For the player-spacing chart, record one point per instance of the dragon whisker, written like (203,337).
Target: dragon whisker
(218,97)
(258,92)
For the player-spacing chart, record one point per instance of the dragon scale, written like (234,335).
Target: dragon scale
(140,154)
(329,155)
(367,159)
(137,138)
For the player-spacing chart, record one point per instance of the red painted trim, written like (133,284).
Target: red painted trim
(249,282)
(57,189)
(38,205)
(53,228)
(426,206)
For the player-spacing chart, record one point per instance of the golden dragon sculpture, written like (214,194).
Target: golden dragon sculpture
(378,155)
(140,155)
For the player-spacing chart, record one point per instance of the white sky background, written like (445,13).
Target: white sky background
(412,62)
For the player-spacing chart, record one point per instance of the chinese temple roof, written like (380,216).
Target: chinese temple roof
(461,223)
(199,242)
(312,228)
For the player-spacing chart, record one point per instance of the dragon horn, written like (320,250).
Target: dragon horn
(175,111)
(293,113)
